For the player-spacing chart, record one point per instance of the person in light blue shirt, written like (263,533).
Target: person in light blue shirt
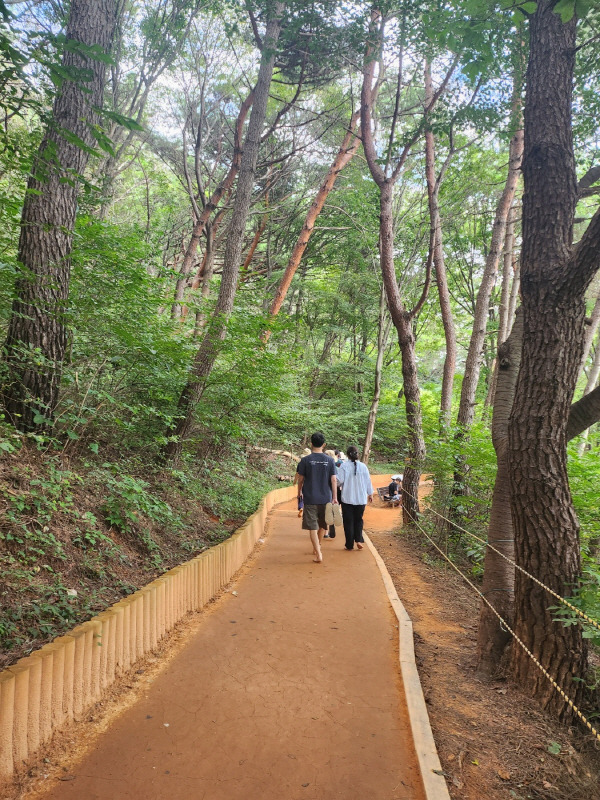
(357,490)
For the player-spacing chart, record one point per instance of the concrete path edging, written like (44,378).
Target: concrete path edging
(432,774)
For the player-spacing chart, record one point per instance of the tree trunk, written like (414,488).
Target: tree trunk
(207,274)
(433,187)
(590,331)
(382,336)
(508,277)
(406,339)
(216,329)
(583,413)
(466,409)
(554,278)
(498,574)
(508,280)
(498,578)
(402,319)
(344,155)
(592,380)
(37,333)
(254,243)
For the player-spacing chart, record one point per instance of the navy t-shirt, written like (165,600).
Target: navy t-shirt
(317,469)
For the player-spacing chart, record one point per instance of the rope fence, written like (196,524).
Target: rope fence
(505,625)
(554,594)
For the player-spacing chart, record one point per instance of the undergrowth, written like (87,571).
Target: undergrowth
(77,533)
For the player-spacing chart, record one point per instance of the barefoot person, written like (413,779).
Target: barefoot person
(357,489)
(317,484)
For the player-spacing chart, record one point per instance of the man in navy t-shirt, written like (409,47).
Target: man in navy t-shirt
(317,484)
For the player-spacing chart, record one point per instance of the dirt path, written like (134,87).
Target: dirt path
(289,689)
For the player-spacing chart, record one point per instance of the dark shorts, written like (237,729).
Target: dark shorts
(313,517)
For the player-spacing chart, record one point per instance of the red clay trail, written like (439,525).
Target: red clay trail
(288,691)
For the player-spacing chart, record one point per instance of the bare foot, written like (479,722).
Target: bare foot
(359,545)
(319,558)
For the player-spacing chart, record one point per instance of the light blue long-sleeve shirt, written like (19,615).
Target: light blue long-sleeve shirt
(356,488)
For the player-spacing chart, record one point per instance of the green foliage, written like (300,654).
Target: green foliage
(52,611)
(469,505)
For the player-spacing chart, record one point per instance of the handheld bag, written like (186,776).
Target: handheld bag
(337,514)
(333,514)
(329,514)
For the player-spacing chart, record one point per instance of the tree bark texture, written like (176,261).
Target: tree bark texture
(433,187)
(554,278)
(37,334)
(344,155)
(498,574)
(216,327)
(498,578)
(382,336)
(466,409)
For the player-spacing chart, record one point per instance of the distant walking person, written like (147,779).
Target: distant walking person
(317,484)
(357,490)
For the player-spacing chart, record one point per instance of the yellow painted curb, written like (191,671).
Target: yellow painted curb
(427,756)
(59,682)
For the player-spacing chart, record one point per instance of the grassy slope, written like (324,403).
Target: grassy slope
(77,535)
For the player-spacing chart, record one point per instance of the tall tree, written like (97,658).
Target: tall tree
(554,277)
(216,328)
(466,409)
(385,172)
(441,278)
(37,333)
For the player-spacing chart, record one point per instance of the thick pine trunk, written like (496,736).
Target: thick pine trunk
(37,333)
(552,289)
(216,328)
(498,578)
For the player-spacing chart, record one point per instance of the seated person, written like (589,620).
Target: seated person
(393,492)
